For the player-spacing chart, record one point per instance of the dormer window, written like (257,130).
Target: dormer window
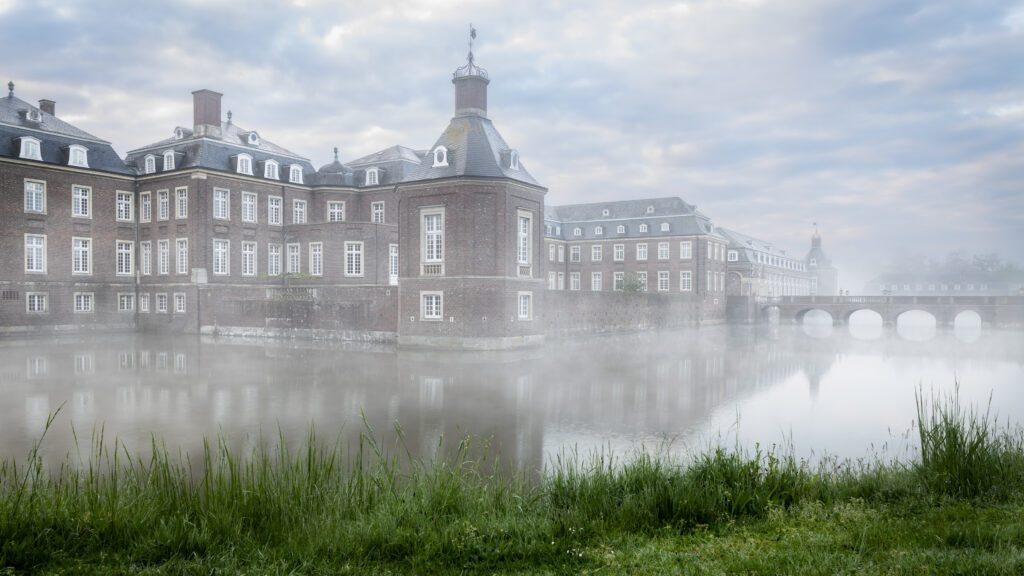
(169,160)
(78,156)
(373,176)
(665,227)
(254,139)
(605,212)
(650,209)
(295,174)
(30,148)
(643,227)
(149,164)
(598,230)
(33,115)
(734,256)
(179,133)
(814,261)
(621,229)
(577,231)
(513,160)
(244,165)
(270,170)
(440,156)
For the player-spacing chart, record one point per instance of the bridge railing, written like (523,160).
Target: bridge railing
(900,300)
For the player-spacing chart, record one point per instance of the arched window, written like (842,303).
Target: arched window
(254,139)
(295,174)
(513,160)
(244,165)
(169,160)
(598,230)
(78,156)
(149,164)
(270,170)
(179,133)
(373,176)
(577,231)
(643,227)
(30,148)
(621,229)
(665,227)
(440,156)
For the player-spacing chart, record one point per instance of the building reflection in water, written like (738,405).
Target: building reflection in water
(612,392)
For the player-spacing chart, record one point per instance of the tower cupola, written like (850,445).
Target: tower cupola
(470,83)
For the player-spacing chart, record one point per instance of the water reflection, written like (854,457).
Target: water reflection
(830,390)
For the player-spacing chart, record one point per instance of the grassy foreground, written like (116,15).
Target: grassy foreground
(958,510)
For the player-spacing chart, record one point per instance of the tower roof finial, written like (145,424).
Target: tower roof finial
(470,69)
(229,116)
(10,88)
(335,153)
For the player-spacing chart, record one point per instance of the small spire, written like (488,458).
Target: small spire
(335,153)
(229,116)
(10,89)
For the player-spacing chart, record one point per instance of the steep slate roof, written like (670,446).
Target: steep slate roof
(475,148)
(54,135)
(683,219)
(392,154)
(746,246)
(216,152)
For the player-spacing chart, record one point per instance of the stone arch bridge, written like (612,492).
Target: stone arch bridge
(993,310)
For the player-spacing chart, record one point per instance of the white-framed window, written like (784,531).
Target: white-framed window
(335,211)
(179,302)
(145,207)
(686,249)
(298,211)
(244,165)
(270,170)
(181,203)
(125,302)
(249,206)
(35,196)
(125,254)
(561,253)
(181,255)
(574,254)
(574,280)
(551,252)
(221,256)
(431,305)
(440,156)
(577,231)
(163,256)
(432,251)
(393,264)
(734,256)
(641,251)
(295,174)
(248,258)
(618,281)
(163,205)
(81,256)
(161,303)
(146,257)
(81,202)
(595,281)
(551,280)
(606,212)
(665,227)
(254,139)
(124,210)
(30,148)
(662,250)
(620,229)
(685,281)
(377,212)
(294,263)
(143,302)
(711,251)
(372,176)
(598,230)
(561,280)
(353,258)
(641,278)
(35,253)
(595,253)
(513,160)
(619,252)
(650,209)
(168,160)
(663,281)
(273,259)
(524,238)
(274,209)
(525,306)
(84,302)
(221,203)
(36,302)
(707,282)
(814,261)
(149,164)
(643,227)
(316,258)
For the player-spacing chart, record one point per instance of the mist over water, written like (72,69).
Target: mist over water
(845,390)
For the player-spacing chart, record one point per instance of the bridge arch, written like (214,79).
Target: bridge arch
(848,314)
(801,315)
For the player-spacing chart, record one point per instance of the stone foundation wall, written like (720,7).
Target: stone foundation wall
(570,313)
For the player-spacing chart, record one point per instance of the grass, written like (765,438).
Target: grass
(324,510)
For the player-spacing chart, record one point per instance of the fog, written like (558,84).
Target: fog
(844,390)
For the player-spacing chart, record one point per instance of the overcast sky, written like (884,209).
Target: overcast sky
(898,126)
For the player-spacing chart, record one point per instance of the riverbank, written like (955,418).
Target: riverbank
(957,509)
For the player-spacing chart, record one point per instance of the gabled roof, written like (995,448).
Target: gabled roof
(231,133)
(683,219)
(746,246)
(475,148)
(669,206)
(392,154)
(54,135)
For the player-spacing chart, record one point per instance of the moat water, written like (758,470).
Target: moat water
(845,391)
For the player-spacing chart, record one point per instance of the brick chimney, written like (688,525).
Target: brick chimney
(48,106)
(206,112)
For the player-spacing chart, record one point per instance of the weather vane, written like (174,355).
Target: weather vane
(472,36)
